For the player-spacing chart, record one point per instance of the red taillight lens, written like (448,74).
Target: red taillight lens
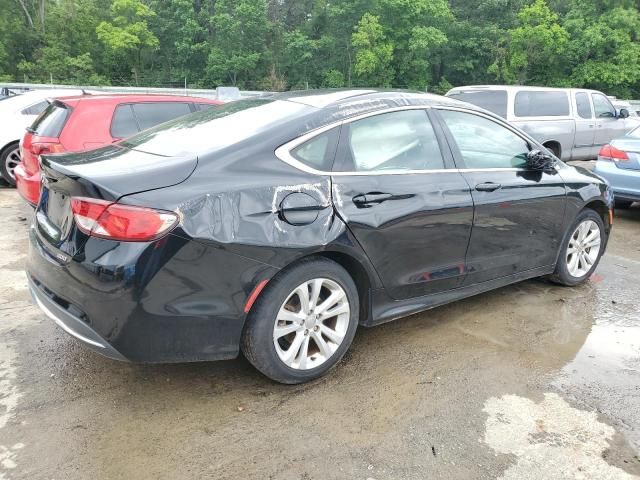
(611,153)
(115,221)
(39,148)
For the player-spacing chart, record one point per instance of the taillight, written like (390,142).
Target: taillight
(611,153)
(39,148)
(114,221)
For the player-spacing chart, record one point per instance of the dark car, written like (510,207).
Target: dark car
(277,225)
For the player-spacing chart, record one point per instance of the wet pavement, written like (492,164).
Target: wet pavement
(529,381)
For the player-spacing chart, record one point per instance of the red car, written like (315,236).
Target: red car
(86,122)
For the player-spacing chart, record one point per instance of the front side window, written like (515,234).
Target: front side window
(541,104)
(402,140)
(602,106)
(484,143)
(583,105)
(152,114)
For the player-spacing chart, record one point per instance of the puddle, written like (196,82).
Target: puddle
(605,373)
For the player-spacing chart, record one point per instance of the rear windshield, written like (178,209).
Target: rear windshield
(541,104)
(493,100)
(215,128)
(51,122)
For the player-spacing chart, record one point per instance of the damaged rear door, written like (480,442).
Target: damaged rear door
(395,187)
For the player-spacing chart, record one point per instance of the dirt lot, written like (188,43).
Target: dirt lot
(530,381)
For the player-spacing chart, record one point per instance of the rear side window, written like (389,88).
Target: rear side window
(51,122)
(124,123)
(319,152)
(541,104)
(205,106)
(493,100)
(402,140)
(36,109)
(152,114)
(583,105)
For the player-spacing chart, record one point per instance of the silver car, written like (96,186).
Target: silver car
(572,123)
(619,163)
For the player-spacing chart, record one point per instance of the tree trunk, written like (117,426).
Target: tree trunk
(26,12)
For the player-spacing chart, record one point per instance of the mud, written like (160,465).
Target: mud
(529,381)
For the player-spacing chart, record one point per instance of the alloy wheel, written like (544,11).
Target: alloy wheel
(11,161)
(583,248)
(311,324)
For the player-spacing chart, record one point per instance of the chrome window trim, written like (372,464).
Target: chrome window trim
(283,152)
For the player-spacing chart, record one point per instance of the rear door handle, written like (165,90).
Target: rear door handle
(488,187)
(372,198)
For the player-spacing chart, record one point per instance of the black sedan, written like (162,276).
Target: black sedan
(278,225)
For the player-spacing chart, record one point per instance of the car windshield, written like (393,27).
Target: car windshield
(215,128)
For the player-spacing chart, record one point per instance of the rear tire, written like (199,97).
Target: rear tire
(292,340)
(623,204)
(9,159)
(581,249)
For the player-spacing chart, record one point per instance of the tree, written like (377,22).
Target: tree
(127,34)
(373,53)
(536,49)
(238,43)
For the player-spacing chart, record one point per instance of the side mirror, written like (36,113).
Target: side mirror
(538,160)
(623,113)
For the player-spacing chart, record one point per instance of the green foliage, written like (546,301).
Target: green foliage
(373,52)
(293,44)
(536,48)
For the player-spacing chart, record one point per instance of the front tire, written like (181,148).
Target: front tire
(623,204)
(9,159)
(581,250)
(303,322)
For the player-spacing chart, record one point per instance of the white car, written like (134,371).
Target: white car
(16,114)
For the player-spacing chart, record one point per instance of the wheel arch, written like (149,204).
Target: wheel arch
(361,276)
(600,207)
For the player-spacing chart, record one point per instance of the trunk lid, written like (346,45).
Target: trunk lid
(631,146)
(108,173)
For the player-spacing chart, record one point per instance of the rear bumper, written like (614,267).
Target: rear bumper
(28,185)
(173,300)
(71,324)
(625,183)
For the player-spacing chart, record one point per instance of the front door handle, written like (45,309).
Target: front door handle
(488,187)
(372,198)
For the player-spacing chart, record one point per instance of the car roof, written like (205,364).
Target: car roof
(134,98)
(341,104)
(515,88)
(33,96)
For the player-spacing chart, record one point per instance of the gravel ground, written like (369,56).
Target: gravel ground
(529,381)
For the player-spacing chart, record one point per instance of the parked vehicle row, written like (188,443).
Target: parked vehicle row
(574,124)
(16,114)
(278,225)
(85,122)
